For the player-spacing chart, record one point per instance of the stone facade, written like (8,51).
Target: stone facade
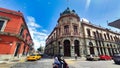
(72,35)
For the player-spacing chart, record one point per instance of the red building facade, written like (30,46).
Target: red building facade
(15,38)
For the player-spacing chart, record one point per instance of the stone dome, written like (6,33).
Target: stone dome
(68,11)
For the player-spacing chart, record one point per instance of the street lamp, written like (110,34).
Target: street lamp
(60,46)
(11,43)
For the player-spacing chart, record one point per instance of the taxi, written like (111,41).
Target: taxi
(34,57)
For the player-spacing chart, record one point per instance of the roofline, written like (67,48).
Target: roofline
(15,13)
(51,32)
(8,11)
(99,27)
(68,15)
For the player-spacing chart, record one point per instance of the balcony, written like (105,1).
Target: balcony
(89,37)
(67,33)
(75,33)
(12,34)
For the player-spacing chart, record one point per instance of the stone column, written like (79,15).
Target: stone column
(103,51)
(86,50)
(61,50)
(96,52)
(99,50)
(80,51)
(111,51)
(107,51)
(72,50)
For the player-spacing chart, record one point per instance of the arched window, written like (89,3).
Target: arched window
(108,36)
(91,48)
(76,43)
(105,36)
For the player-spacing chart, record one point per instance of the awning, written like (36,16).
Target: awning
(115,24)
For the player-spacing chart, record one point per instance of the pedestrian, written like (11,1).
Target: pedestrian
(75,56)
(56,63)
(61,63)
(64,63)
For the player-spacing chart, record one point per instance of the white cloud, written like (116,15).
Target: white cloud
(87,4)
(32,23)
(37,36)
(85,20)
(44,30)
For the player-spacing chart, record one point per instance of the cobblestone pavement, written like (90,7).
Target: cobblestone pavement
(93,64)
(43,63)
(47,63)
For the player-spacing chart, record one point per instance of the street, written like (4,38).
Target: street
(94,64)
(47,63)
(43,63)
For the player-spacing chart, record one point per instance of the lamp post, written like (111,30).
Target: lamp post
(59,47)
(11,43)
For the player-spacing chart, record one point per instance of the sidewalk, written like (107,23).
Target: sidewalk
(11,62)
(72,60)
(6,65)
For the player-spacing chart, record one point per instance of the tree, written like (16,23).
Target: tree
(40,49)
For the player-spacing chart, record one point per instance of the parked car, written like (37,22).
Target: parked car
(34,57)
(116,58)
(92,57)
(105,57)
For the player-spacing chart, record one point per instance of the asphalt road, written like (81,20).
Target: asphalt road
(47,63)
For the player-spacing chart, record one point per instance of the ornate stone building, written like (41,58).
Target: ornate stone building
(72,35)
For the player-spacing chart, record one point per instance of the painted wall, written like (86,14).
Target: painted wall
(10,36)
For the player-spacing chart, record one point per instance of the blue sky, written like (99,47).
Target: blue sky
(42,15)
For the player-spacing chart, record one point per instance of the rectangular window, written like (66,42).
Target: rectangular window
(1,24)
(75,29)
(66,29)
(21,31)
(27,35)
(88,32)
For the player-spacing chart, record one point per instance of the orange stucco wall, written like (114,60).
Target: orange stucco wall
(5,47)
(14,26)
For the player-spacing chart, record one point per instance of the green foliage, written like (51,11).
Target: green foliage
(40,49)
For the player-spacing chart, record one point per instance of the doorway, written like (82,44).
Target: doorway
(76,43)
(67,48)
